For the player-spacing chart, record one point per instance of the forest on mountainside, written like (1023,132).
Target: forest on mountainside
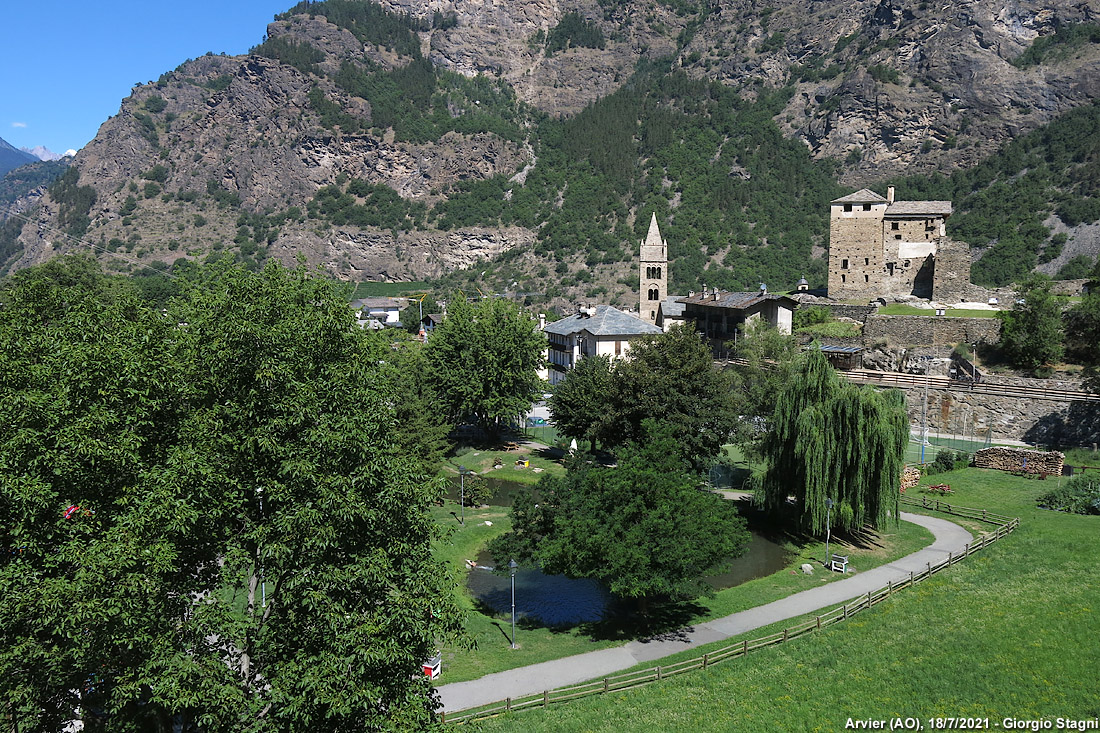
(426,160)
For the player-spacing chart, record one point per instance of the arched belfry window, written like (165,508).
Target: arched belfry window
(654,294)
(658,269)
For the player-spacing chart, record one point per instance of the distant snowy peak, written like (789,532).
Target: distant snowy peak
(43,153)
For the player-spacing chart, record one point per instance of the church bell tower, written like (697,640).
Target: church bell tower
(653,273)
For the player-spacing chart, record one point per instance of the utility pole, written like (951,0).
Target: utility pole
(924,421)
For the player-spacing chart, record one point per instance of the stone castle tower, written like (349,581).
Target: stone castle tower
(653,273)
(880,247)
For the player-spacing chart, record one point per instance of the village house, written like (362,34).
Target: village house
(717,313)
(601,330)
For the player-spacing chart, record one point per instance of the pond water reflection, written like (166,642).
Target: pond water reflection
(555,600)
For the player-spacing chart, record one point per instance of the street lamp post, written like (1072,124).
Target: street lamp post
(462,471)
(828,528)
(512,565)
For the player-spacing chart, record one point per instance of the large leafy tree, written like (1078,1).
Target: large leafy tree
(765,359)
(644,528)
(580,405)
(833,440)
(671,378)
(206,520)
(483,361)
(1031,333)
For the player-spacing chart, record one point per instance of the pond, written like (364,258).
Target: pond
(555,600)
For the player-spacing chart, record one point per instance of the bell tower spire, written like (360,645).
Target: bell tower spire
(652,272)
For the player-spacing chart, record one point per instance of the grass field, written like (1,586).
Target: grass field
(387,290)
(900,309)
(481,461)
(1012,632)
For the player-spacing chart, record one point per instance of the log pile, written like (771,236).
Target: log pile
(910,477)
(1020,460)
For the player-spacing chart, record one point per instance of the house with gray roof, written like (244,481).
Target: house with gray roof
(717,313)
(600,330)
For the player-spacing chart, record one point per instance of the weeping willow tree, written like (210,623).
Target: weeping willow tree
(833,440)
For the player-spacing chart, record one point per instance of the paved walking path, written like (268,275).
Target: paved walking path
(579,668)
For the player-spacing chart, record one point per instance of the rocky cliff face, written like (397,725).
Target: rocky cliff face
(189,163)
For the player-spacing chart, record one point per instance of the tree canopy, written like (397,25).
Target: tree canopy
(1031,333)
(483,361)
(206,521)
(644,528)
(669,378)
(833,440)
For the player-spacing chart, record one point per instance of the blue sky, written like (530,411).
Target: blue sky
(65,65)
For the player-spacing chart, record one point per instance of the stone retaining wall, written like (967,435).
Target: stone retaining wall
(980,417)
(931,330)
(1020,459)
(855,312)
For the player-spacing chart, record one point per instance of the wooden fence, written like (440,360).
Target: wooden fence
(1004,525)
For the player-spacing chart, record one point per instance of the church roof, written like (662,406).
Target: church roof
(862,196)
(653,237)
(919,208)
(605,321)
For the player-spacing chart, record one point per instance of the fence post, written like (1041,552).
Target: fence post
(785,637)
(929,568)
(889,588)
(911,581)
(868,599)
(659,672)
(845,609)
(949,561)
(983,514)
(704,661)
(605,682)
(968,549)
(546,698)
(745,647)
(819,623)
(508,704)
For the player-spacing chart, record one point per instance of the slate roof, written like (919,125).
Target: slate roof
(606,321)
(739,301)
(671,307)
(919,208)
(862,196)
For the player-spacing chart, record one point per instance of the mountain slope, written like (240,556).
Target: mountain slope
(11,157)
(397,142)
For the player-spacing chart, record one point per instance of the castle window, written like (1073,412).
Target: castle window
(889,268)
(658,273)
(894,225)
(866,261)
(619,347)
(847,207)
(653,294)
(844,264)
(866,207)
(843,278)
(898,236)
(907,263)
(866,278)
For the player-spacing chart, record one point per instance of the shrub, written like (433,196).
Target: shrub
(945,461)
(1079,495)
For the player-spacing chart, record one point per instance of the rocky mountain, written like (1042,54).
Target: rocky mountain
(43,153)
(408,140)
(11,157)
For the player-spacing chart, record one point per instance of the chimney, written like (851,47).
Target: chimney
(691,293)
(542,321)
(889,194)
(763,288)
(714,293)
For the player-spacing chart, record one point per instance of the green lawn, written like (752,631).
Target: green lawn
(387,290)
(1012,632)
(481,461)
(901,309)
